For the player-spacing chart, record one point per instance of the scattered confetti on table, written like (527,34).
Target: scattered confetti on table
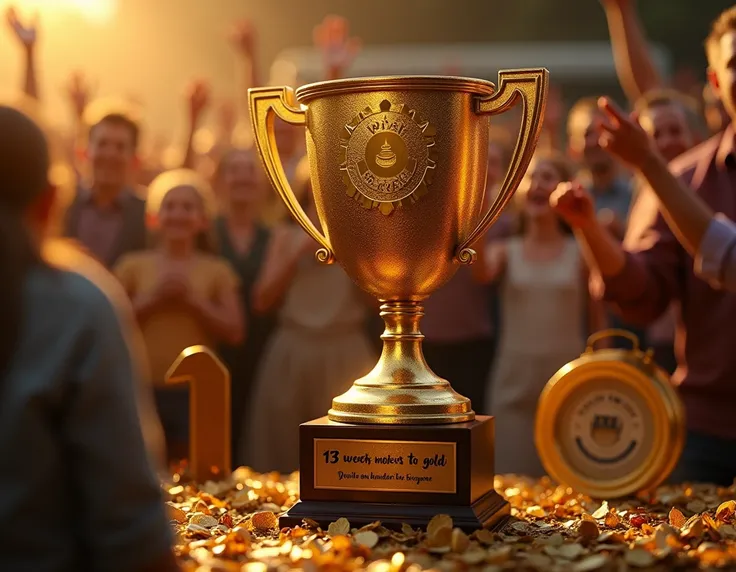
(232,525)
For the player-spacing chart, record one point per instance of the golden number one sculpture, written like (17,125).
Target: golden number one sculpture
(209,410)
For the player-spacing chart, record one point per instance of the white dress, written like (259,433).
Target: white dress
(319,348)
(543,308)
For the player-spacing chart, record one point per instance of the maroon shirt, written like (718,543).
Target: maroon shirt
(108,233)
(461,310)
(658,270)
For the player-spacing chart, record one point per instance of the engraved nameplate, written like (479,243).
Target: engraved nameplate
(391,466)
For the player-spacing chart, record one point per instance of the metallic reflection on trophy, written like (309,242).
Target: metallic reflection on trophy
(398,169)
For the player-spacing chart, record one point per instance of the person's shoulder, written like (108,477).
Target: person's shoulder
(138,194)
(70,292)
(68,256)
(686,164)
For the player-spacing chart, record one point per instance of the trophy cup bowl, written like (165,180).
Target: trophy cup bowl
(398,169)
(398,172)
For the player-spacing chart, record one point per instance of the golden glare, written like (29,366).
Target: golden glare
(99,11)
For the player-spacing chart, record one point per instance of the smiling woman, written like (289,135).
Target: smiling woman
(99,11)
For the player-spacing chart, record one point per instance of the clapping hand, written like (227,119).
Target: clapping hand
(172,286)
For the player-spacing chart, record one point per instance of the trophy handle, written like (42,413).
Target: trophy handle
(529,85)
(265,104)
(612,333)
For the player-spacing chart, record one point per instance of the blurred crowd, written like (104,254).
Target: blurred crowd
(207,254)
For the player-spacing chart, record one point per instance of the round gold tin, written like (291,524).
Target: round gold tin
(610,423)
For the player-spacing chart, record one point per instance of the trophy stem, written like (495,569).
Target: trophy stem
(402,338)
(401,389)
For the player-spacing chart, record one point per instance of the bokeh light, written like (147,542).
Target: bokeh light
(99,11)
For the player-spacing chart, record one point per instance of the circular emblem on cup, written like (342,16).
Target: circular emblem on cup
(386,157)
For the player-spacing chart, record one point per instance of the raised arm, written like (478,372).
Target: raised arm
(26,33)
(332,37)
(244,40)
(601,251)
(634,65)
(708,237)
(640,281)
(687,214)
(198,98)
(78,92)
(287,247)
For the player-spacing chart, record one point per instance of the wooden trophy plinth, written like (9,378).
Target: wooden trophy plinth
(398,474)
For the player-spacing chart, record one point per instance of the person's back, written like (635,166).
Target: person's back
(74,468)
(78,490)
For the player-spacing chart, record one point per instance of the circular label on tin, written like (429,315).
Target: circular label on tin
(386,156)
(605,433)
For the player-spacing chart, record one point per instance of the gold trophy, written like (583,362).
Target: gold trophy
(398,169)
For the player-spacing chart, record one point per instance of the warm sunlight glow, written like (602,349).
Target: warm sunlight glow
(99,11)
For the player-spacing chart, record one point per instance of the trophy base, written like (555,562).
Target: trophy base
(398,474)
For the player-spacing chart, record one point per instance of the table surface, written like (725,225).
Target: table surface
(233,525)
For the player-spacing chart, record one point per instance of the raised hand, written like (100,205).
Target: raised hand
(243,38)
(78,92)
(574,204)
(227,117)
(332,37)
(26,32)
(198,96)
(622,136)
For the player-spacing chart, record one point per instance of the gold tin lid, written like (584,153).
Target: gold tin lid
(610,424)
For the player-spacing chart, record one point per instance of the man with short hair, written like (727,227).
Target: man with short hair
(654,270)
(600,172)
(108,218)
(671,121)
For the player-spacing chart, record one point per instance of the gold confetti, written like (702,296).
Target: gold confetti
(676,518)
(726,510)
(176,513)
(202,519)
(639,558)
(601,512)
(697,506)
(437,523)
(612,520)
(460,541)
(588,530)
(340,527)
(554,528)
(591,563)
(366,538)
(264,520)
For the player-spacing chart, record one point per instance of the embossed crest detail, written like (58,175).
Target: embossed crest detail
(608,428)
(386,157)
